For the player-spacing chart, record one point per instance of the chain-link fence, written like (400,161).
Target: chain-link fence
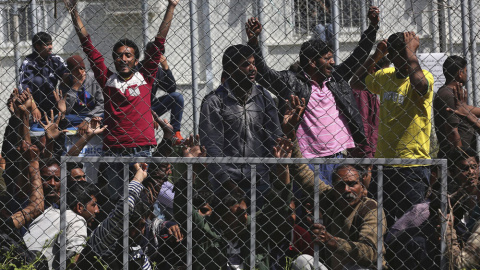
(371,100)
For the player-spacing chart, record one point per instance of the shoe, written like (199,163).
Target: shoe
(178,138)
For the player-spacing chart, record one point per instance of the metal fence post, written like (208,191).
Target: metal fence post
(126,215)
(189,216)
(444,202)
(380,217)
(336,30)
(194,61)
(253,210)
(145,23)
(16,40)
(33,16)
(63,215)
(316,214)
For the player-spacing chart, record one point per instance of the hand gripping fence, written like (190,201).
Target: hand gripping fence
(238,160)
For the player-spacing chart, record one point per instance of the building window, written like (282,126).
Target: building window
(314,17)
(24,23)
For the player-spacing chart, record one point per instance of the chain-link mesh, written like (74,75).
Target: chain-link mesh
(328,134)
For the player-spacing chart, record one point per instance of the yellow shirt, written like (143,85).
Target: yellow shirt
(405,115)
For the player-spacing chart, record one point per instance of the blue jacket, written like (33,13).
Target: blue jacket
(42,77)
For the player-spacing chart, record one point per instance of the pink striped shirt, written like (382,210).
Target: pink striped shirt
(324,130)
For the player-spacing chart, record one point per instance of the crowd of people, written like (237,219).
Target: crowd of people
(361,108)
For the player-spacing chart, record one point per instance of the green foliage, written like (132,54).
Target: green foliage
(13,262)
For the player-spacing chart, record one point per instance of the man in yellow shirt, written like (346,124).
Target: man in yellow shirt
(406,93)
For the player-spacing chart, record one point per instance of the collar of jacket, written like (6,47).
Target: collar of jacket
(225,87)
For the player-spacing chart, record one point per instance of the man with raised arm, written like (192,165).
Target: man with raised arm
(406,95)
(127,93)
(331,123)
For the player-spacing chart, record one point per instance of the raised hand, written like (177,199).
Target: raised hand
(253,27)
(374,15)
(173,2)
(60,100)
(141,172)
(321,235)
(382,48)
(296,108)
(51,127)
(462,109)
(175,232)
(412,41)
(192,148)
(70,4)
(30,152)
(283,149)
(94,127)
(164,125)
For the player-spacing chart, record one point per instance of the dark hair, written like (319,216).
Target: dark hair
(396,43)
(202,197)
(41,38)
(49,162)
(228,195)
(128,43)
(457,155)
(452,65)
(234,54)
(80,192)
(313,49)
(140,211)
(74,165)
(383,63)
(335,176)
(295,67)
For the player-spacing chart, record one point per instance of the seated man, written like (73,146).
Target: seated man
(172,100)
(41,72)
(349,229)
(84,97)
(43,233)
(463,244)
(223,241)
(105,244)
(239,119)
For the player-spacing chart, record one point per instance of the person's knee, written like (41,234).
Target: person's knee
(178,98)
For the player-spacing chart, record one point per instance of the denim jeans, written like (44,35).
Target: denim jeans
(170,102)
(326,170)
(114,173)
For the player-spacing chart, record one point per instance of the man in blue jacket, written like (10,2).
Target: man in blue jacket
(41,71)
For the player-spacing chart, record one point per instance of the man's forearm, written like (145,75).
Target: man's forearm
(453,136)
(417,78)
(78,24)
(167,22)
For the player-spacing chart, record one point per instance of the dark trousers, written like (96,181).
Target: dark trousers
(170,102)
(402,188)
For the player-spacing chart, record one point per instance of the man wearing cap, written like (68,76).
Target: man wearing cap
(239,119)
(84,96)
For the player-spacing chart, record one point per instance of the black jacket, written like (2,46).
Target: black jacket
(287,83)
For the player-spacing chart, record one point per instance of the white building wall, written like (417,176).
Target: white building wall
(107,21)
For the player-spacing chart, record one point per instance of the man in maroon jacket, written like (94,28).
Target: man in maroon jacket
(126,92)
